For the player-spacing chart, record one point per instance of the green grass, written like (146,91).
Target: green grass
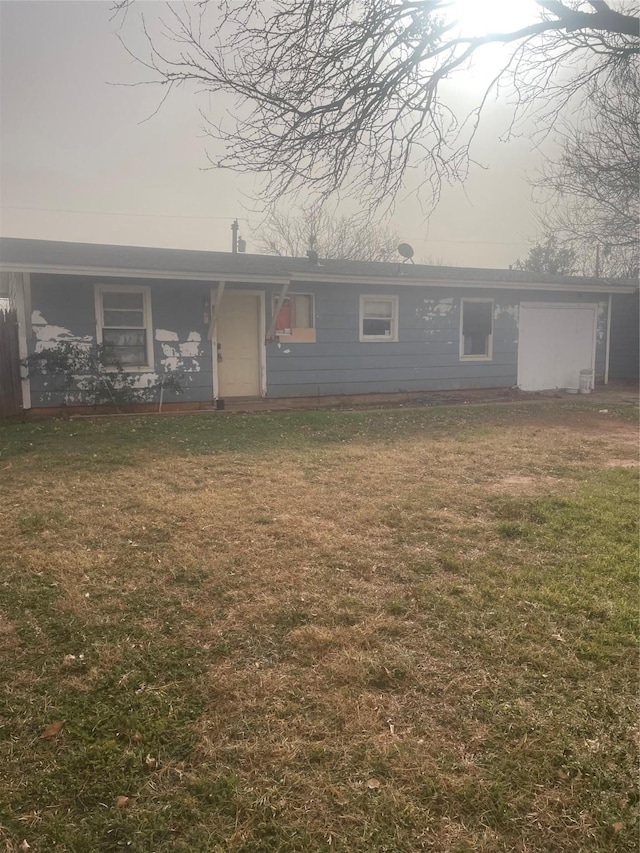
(105,442)
(377,631)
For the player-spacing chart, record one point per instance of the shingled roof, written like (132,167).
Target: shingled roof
(48,255)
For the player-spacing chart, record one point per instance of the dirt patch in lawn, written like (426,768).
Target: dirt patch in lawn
(622,463)
(608,426)
(8,636)
(517,483)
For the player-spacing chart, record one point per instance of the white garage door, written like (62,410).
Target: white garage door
(555,343)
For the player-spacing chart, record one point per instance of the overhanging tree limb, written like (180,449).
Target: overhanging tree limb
(344,94)
(605,18)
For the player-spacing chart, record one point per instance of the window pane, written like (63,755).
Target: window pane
(123,318)
(477,327)
(376,327)
(378,308)
(121,299)
(477,318)
(126,355)
(125,347)
(119,338)
(302,307)
(283,323)
(477,344)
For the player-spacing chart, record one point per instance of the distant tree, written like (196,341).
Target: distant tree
(591,193)
(548,257)
(356,237)
(346,94)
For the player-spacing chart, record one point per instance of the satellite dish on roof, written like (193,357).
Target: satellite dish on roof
(406,251)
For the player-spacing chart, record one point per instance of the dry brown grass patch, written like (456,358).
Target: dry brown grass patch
(9,639)
(352,612)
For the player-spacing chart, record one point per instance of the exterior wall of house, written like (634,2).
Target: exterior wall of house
(426,356)
(63,309)
(624,364)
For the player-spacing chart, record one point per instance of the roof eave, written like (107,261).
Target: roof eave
(122,272)
(316,275)
(577,286)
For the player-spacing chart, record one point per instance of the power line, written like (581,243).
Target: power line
(111,213)
(230,219)
(478,242)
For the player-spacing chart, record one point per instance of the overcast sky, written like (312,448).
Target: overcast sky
(76,154)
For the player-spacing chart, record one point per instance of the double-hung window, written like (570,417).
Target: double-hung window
(476,329)
(124,325)
(378,318)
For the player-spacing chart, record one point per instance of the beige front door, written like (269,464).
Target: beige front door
(238,341)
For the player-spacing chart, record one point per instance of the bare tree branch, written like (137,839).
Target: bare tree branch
(356,237)
(591,194)
(349,94)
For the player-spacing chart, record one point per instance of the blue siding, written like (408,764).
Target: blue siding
(624,362)
(64,309)
(425,358)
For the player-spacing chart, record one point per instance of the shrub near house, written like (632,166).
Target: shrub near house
(90,374)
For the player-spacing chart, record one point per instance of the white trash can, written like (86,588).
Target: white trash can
(586,381)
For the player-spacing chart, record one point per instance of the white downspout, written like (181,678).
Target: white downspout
(608,347)
(22,286)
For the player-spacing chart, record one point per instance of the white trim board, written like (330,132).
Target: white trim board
(316,276)
(22,289)
(125,272)
(608,347)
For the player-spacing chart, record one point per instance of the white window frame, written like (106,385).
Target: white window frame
(292,331)
(99,289)
(393,337)
(489,355)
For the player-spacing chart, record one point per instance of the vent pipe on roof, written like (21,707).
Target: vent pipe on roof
(237,243)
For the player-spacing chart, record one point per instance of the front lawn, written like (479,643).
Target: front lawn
(320,631)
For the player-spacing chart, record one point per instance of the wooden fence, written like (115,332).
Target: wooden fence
(10,382)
